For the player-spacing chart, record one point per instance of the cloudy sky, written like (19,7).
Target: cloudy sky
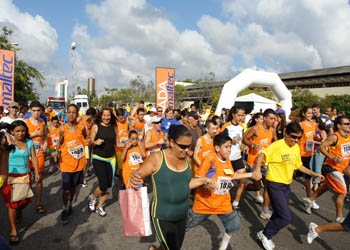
(116,40)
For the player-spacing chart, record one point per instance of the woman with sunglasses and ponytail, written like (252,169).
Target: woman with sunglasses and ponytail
(171,175)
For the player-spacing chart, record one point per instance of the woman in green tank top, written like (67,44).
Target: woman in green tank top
(171,177)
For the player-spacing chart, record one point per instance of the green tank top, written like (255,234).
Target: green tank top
(170,192)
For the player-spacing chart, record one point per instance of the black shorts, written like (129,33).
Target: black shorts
(71,180)
(104,173)
(170,234)
(237,164)
(306,163)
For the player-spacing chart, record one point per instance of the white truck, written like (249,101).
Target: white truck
(82,101)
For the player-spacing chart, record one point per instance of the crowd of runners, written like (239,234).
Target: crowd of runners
(189,154)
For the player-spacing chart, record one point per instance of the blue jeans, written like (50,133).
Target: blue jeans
(316,164)
(231,221)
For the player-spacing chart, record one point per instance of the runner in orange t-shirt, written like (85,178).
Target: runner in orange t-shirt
(53,137)
(132,156)
(38,133)
(208,202)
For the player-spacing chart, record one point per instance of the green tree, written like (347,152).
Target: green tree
(304,97)
(25,75)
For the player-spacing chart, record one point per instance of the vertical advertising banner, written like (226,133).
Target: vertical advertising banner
(165,87)
(7,77)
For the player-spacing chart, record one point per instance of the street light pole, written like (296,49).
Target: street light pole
(74,66)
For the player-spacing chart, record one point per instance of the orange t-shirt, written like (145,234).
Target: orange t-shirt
(139,127)
(131,163)
(72,151)
(123,130)
(154,138)
(38,141)
(207,148)
(54,135)
(341,149)
(264,139)
(216,201)
(306,143)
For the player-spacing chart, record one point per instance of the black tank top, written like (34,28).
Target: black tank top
(106,149)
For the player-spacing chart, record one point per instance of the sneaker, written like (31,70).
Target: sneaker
(265,215)
(92,203)
(64,218)
(84,184)
(308,205)
(259,199)
(314,205)
(100,211)
(311,235)
(267,244)
(340,219)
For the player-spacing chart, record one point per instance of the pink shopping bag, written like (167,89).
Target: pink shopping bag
(134,206)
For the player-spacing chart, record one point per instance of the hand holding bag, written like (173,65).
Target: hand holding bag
(20,188)
(134,206)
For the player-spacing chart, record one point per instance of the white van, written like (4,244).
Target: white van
(82,101)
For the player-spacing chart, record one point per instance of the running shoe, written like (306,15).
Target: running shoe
(311,235)
(267,244)
(64,218)
(265,215)
(84,184)
(259,199)
(314,205)
(101,212)
(340,219)
(308,205)
(92,203)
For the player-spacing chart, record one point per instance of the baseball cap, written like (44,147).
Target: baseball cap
(153,109)
(192,114)
(14,104)
(279,104)
(156,119)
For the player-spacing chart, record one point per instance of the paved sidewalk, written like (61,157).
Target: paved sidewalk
(88,230)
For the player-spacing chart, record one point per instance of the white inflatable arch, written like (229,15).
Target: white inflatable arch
(253,78)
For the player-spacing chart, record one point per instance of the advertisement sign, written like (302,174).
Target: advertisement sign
(165,87)
(7,74)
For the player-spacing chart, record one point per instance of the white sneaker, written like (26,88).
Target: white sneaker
(259,199)
(92,203)
(311,235)
(340,219)
(265,216)
(267,244)
(101,212)
(314,205)
(308,205)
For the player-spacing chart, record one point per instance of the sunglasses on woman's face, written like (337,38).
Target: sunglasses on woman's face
(182,146)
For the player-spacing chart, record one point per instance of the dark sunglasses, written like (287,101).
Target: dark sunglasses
(346,123)
(182,146)
(156,122)
(295,137)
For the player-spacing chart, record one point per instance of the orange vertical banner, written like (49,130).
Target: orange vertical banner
(7,77)
(165,87)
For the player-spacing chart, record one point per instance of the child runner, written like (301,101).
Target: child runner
(208,202)
(132,156)
(72,160)
(53,137)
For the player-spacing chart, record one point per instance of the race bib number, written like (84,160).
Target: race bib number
(76,150)
(224,185)
(55,141)
(345,150)
(309,146)
(135,158)
(37,147)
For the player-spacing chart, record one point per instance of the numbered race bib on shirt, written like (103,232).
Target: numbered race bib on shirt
(223,185)
(135,158)
(37,147)
(55,141)
(76,149)
(309,146)
(345,150)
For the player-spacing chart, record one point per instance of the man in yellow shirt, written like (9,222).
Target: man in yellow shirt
(282,157)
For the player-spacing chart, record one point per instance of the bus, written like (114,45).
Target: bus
(57,103)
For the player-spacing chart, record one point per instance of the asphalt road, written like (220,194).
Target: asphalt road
(88,230)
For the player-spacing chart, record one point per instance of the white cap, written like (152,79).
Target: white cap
(156,119)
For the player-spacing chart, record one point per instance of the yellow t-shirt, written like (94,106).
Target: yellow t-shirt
(282,160)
